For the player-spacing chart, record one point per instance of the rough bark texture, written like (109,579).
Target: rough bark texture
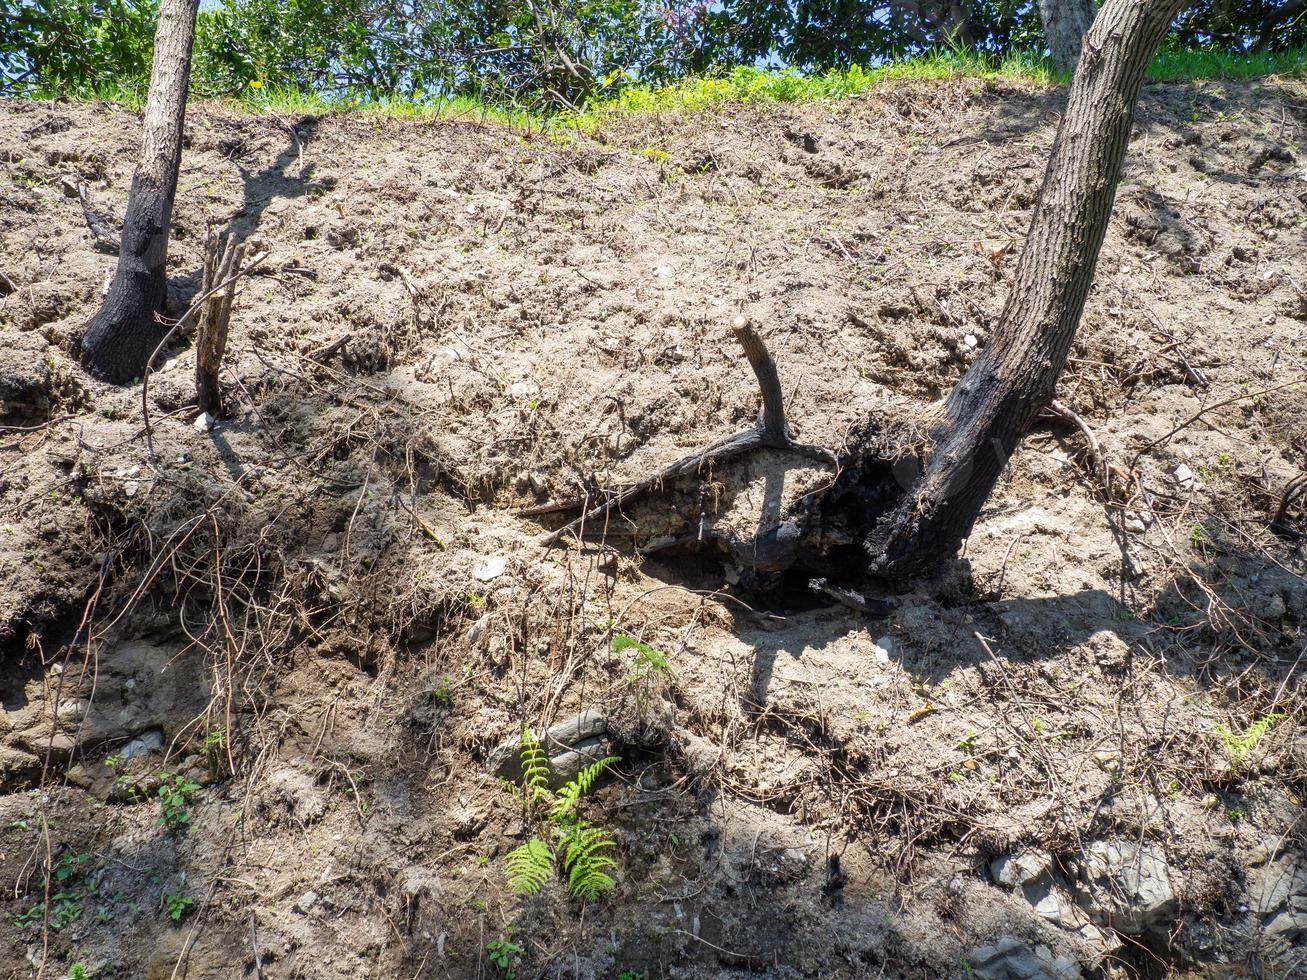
(991,408)
(222,262)
(1065,24)
(124,333)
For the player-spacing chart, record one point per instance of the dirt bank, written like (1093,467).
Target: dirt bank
(1078,751)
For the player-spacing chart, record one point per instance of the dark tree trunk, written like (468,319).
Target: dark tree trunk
(991,408)
(1272,21)
(125,331)
(1065,24)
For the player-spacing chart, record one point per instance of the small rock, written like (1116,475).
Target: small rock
(305,902)
(1126,885)
(1010,959)
(1184,475)
(572,745)
(1109,760)
(478,628)
(72,710)
(204,423)
(490,569)
(1015,870)
(970,340)
(523,389)
(142,744)
(663,271)
(882,648)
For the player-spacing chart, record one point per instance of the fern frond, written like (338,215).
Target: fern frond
(528,867)
(571,792)
(585,862)
(535,765)
(647,659)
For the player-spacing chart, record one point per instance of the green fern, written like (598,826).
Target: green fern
(569,795)
(648,660)
(584,861)
(529,866)
(1238,746)
(535,766)
(564,842)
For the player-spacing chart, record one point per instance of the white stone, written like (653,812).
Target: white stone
(147,741)
(1183,474)
(882,648)
(204,423)
(490,569)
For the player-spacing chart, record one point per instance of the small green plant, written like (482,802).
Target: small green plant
(503,953)
(968,742)
(650,668)
(174,793)
(215,742)
(1233,814)
(65,898)
(1239,745)
(564,841)
(178,905)
(443,695)
(78,972)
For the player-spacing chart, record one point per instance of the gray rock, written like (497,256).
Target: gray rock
(1276,884)
(144,743)
(304,904)
(571,745)
(1126,885)
(1022,868)
(1009,958)
(1287,925)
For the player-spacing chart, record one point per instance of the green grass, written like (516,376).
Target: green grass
(740,86)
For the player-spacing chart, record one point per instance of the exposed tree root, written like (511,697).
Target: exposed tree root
(770,432)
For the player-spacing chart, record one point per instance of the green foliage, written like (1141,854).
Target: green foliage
(585,861)
(174,794)
(65,896)
(547,56)
(529,866)
(1239,745)
(564,842)
(78,972)
(651,666)
(502,953)
(178,905)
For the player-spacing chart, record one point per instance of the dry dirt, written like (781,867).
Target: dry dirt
(326,613)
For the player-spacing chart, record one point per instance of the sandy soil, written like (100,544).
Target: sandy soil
(327,612)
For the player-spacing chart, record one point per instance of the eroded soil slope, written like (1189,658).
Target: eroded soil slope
(253,678)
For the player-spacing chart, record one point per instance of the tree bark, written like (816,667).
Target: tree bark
(991,408)
(125,331)
(1065,24)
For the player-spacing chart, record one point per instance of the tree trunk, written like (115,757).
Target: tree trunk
(991,408)
(1065,24)
(125,331)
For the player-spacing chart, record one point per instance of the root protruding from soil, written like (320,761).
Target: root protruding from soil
(770,432)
